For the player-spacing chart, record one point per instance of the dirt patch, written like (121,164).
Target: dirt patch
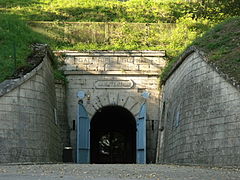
(39,51)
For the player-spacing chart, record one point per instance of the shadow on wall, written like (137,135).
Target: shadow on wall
(29,130)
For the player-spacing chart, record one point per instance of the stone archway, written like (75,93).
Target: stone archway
(113,136)
(113,78)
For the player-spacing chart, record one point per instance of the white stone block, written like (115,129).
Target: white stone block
(130,103)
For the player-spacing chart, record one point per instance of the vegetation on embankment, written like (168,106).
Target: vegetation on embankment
(221,46)
(144,11)
(123,36)
(92,36)
(15,40)
(190,18)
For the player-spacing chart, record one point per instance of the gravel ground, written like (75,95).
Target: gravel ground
(114,172)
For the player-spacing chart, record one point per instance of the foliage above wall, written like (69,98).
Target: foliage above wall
(15,40)
(221,46)
(169,25)
(145,11)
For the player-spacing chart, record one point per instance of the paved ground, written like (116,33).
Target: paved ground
(114,172)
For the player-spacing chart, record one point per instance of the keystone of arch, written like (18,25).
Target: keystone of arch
(131,103)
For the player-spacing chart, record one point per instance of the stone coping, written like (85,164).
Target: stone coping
(122,73)
(111,53)
(201,54)
(10,84)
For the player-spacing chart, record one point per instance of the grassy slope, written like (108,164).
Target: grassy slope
(13,30)
(222,46)
(96,10)
(15,36)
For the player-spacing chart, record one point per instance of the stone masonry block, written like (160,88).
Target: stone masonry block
(130,103)
(154,67)
(71,68)
(158,61)
(144,67)
(93,67)
(69,60)
(115,67)
(113,97)
(125,60)
(131,67)
(83,60)
(101,60)
(142,60)
(135,109)
(104,99)
(90,109)
(122,98)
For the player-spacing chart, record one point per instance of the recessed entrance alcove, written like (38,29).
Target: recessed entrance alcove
(113,136)
(105,96)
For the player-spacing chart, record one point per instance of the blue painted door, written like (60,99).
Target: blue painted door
(141,135)
(83,135)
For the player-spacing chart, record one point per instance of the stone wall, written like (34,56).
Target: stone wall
(200,116)
(86,71)
(28,129)
(62,113)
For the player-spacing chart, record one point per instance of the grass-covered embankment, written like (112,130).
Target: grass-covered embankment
(190,18)
(150,11)
(221,46)
(15,41)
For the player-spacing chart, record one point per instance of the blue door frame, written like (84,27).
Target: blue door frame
(141,135)
(83,135)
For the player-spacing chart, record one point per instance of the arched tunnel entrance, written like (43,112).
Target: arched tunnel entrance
(113,136)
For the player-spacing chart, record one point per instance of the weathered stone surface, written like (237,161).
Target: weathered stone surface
(62,113)
(201,118)
(121,61)
(115,79)
(28,132)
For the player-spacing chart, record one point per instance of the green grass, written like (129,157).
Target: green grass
(128,36)
(96,10)
(222,47)
(15,40)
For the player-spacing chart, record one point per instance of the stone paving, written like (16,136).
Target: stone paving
(115,172)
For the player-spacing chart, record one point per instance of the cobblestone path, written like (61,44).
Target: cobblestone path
(115,172)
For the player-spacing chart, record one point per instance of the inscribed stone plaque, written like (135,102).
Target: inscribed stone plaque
(114,84)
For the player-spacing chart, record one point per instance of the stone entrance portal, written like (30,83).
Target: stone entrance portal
(112,86)
(113,136)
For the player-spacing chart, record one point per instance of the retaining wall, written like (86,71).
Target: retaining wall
(200,116)
(28,122)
